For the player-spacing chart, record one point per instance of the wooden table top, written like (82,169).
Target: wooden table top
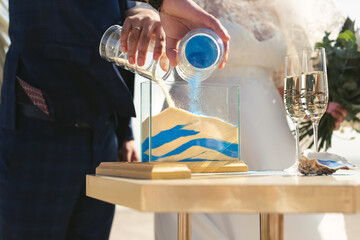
(246,192)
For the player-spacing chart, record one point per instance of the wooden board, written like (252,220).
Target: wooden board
(217,166)
(144,170)
(167,170)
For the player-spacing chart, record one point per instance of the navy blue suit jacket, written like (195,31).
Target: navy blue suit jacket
(54,47)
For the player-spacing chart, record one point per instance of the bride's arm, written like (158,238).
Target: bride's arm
(279,80)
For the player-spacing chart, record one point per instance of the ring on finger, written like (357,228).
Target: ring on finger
(138,28)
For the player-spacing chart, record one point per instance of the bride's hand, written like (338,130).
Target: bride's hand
(338,112)
(179,17)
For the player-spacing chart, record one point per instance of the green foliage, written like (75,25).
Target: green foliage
(343,70)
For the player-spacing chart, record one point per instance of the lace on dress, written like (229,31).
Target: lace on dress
(259,16)
(302,22)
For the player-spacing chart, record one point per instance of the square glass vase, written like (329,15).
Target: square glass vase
(183,122)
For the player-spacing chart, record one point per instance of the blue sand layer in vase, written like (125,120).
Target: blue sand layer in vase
(190,140)
(201,51)
(166,136)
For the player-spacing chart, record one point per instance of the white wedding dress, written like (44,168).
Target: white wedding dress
(258,48)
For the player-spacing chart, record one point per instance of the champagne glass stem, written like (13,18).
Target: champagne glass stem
(297,156)
(315,129)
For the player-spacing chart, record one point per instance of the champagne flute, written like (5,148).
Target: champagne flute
(314,87)
(293,105)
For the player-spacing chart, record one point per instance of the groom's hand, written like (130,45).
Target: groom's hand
(140,27)
(128,152)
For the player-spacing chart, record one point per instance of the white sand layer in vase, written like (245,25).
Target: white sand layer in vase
(178,135)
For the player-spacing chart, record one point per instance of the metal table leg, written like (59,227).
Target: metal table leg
(271,226)
(184,226)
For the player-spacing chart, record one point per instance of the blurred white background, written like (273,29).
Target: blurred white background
(351,8)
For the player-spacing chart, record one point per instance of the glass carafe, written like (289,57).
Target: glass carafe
(200,53)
